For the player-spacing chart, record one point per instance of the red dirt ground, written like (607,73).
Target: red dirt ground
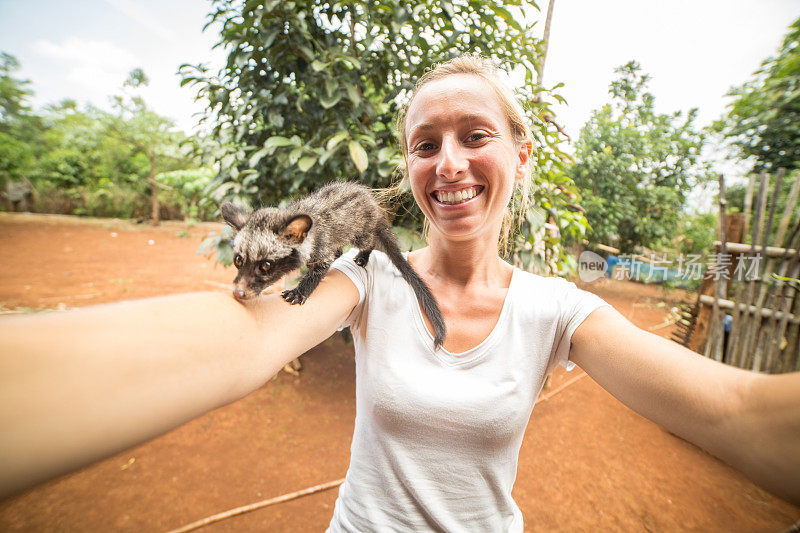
(587,462)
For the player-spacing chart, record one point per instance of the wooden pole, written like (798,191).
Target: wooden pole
(744,290)
(748,201)
(779,294)
(258,505)
(766,313)
(546,40)
(716,338)
(792,361)
(771,251)
(791,201)
(700,329)
(763,291)
(773,335)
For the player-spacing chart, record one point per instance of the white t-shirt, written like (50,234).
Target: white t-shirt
(437,435)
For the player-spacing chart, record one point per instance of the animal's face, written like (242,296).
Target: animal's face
(262,259)
(264,249)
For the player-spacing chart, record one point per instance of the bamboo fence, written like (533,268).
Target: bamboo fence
(752,286)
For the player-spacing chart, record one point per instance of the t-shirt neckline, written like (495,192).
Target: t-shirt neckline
(453,359)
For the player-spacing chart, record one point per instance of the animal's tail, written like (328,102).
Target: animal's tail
(421,290)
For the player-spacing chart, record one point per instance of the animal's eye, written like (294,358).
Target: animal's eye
(265,266)
(238,261)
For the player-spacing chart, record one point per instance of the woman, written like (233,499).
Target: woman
(437,432)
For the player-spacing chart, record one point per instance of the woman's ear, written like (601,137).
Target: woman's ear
(525,150)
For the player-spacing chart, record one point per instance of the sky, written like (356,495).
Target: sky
(84,49)
(694,50)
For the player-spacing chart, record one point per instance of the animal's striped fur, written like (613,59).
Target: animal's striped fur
(311,231)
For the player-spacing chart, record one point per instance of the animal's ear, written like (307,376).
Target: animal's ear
(234,215)
(297,229)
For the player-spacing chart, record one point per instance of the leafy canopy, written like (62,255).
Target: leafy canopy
(311,89)
(763,121)
(84,160)
(20,129)
(635,167)
(14,92)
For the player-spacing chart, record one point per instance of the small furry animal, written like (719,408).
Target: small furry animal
(311,231)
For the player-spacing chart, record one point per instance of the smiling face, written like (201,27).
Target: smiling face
(462,159)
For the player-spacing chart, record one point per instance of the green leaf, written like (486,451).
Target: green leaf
(306,163)
(359,156)
(507,17)
(276,119)
(256,157)
(270,38)
(352,93)
(307,53)
(295,154)
(329,101)
(336,139)
(330,86)
(277,142)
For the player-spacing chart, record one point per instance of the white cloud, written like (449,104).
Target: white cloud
(137,12)
(86,52)
(99,67)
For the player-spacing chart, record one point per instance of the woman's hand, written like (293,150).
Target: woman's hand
(78,386)
(749,420)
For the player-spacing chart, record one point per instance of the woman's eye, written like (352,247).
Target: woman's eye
(238,261)
(424,147)
(265,266)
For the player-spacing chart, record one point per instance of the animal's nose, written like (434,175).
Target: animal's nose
(239,294)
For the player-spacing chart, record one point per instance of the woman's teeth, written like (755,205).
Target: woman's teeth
(456,197)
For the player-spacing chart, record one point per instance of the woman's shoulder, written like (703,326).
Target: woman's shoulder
(534,282)
(378,263)
(378,269)
(552,293)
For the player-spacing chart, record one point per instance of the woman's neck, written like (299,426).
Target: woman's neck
(462,263)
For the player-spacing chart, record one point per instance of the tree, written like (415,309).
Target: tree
(311,89)
(189,187)
(763,121)
(81,153)
(14,92)
(20,128)
(635,167)
(146,131)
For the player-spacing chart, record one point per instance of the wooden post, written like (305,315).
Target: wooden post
(748,201)
(773,333)
(780,295)
(734,229)
(546,40)
(744,292)
(754,346)
(792,360)
(716,328)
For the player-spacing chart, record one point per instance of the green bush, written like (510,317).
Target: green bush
(188,190)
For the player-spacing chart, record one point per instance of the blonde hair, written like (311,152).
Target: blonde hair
(485,69)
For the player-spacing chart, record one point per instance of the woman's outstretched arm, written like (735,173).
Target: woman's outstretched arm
(749,420)
(78,386)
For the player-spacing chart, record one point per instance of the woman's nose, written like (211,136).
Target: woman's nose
(452,161)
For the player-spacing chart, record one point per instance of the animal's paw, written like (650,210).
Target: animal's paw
(293,296)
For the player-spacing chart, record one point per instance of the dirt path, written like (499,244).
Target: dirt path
(587,462)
